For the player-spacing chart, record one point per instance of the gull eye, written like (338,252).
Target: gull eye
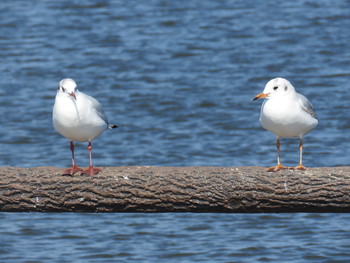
(275,88)
(63,89)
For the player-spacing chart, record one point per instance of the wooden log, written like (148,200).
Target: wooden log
(176,189)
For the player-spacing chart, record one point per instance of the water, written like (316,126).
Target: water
(178,78)
(174,238)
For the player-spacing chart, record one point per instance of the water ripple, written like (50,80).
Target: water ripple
(178,79)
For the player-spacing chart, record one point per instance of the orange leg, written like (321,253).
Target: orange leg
(74,168)
(279,165)
(91,170)
(300,166)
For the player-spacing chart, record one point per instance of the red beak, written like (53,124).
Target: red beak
(73,95)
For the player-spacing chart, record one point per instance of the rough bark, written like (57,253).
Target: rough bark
(176,189)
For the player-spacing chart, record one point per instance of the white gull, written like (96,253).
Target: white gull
(286,113)
(78,117)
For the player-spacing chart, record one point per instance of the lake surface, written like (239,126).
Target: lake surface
(178,78)
(179,237)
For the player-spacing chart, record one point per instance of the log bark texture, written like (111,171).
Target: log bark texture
(176,189)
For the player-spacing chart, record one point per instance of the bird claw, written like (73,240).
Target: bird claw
(277,168)
(300,168)
(72,171)
(91,171)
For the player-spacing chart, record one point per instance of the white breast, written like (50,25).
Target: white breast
(80,120)
(286,117)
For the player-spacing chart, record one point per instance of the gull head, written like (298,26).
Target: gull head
(68,87)
(278,87)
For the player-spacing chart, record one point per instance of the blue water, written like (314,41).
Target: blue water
(174,238)
(178,78)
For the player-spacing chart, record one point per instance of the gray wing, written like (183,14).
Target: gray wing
(100,112)
(97,108)
(307,106)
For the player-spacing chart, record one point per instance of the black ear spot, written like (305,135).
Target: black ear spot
(275,88)
(285,88)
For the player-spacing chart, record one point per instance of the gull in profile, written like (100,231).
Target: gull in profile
(286,113)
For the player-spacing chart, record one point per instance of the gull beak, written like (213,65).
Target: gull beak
(73,95)
(261,96)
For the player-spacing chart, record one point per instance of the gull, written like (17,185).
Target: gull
(286,113)
(78,117)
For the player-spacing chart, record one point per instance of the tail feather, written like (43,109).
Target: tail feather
(112,126)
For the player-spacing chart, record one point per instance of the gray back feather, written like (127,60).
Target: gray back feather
(307,106)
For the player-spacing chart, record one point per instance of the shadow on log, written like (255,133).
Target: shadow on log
(176,189)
